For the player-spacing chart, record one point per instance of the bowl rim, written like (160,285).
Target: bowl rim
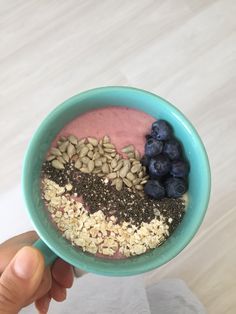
(56,248)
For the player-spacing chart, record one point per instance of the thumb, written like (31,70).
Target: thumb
(20,280)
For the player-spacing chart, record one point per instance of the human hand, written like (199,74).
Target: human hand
(25,279)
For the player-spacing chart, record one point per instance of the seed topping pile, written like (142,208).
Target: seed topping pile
(100,157)
(95,196)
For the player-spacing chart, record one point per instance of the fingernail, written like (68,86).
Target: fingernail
(25,263)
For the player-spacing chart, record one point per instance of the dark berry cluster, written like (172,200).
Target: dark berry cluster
(165,163)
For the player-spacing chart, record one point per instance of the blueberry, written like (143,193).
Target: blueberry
(159,166)
(161,130)
(179,168)
(172,149)
(154,189)
(152,169)
(175,187)
(145,161)
(153,147)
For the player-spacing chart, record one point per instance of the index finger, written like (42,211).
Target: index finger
(9,248)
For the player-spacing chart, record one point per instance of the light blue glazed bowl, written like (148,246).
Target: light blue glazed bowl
(52,244)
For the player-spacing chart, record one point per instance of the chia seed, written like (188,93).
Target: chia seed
(125,205)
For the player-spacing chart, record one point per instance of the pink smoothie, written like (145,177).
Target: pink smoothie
(124,126)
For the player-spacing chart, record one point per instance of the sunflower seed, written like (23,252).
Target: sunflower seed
(98,163)
(109,150)
(108,145)
(104,159)
(79,147)
(84,170)
(119,165)
(143,182)
(55,151)
(78,164)
(135,168)
(70,150)
(136,181)
(97,170)
(130,155)
(63,138)
(108,156)
(74,158)
(136,162)
(59,143)
(119,184)
(124,171)
(100,142)
(90,154)
(113,155)
(128,149)
(106,139)
(93,141)
(85,160)
(63,146)
(113,163)
(126,162)
(96,155)
(138,187)
(90,146)
(140,175)
(137,154)
(73,139)
(65,157)
(111,175)
(82,141)
(91,165)
(57,164)
(83,151)
(127,182)
(105,168)
(61,160)
(101,174)
(100,150)
(51,157)
(118,174)
(130,176)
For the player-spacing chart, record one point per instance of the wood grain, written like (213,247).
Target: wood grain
(182,50)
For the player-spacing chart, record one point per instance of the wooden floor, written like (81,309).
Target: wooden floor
(182,50)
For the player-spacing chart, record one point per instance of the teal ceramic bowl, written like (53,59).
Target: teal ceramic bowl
(52,244)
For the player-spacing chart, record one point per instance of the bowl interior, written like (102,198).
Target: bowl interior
(199,178)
